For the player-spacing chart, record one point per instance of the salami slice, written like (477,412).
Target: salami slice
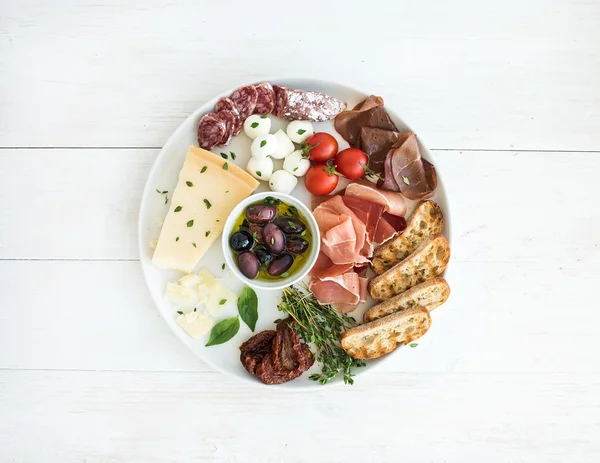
(231,119)
(225,103)
(244,99)
(294,104)
(211,130)
(265,103)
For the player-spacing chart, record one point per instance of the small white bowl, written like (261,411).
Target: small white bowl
(311,224)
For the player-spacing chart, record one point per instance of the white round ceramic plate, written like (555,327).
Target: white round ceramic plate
(163,176)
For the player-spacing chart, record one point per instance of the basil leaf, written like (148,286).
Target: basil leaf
(254,125)
(248,307)
(223,331)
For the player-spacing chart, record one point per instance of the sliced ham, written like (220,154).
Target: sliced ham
(324,267)
(339,243)
(368,213)
(394,203)
(384,231)
(344,291)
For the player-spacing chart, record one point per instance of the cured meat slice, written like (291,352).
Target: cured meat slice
(324,267)
(294,104)
(225,103)
(376,143)
(265,103)
(211,130)
(369,113)
(244,99)
(368,212)
(393,203)
(344,291)
(231,120)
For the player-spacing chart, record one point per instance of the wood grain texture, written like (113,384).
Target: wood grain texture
(506,206)
(464,74)
(181,417)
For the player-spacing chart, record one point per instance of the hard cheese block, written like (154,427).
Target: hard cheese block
(208,189)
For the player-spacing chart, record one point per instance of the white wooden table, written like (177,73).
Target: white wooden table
(508,96)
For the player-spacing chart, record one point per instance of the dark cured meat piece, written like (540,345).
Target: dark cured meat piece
(225,103)
(304,105)
(265,104)
(389,182)
(255,349)
(415,177)
(376,144)
(399,223)
(369,113)
(244,99)
(231,119)
(367,212)
(211,130)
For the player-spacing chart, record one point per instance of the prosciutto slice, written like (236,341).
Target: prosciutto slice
(394,203)
(342,233)
(344,291)
(324,267)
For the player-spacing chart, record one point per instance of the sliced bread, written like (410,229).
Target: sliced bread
(430,295)
(427,220)
(426,262)
(382,336)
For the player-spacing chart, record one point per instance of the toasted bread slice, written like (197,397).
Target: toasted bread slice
(428,261)
(382,336)
(427,220)
(431,294)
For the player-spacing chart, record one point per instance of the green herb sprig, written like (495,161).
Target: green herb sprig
(321,325)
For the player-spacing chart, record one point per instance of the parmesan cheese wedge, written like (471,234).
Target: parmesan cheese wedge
(208,189)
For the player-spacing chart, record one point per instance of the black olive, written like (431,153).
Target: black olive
(241,241)
(290,225)
(280,264)
(260,213)
(274,238)
(263,255)
(248,264)
(296,245)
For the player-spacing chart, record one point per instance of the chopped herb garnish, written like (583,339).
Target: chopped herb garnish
(177,238)
(254,125)
(208,204)
(272,201)
(405,180)
(232,155)
(224,156)
(272,240)
(203,169)
(264,116)
(285,274)
(263,143)
(222,301)
(164,193)
(178,208)
(413,344)
(223,267)
(218,220)
(194,244)
(301,131)
(180,312)
(292,210)
(194,309)
(190,223)
(225,166)
(258,172)
(291,224)
(226,191)
(207,233)
(188,183)
(295,169)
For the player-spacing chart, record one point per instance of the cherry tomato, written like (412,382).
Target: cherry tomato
(348,163)
(321,147)
(321,179)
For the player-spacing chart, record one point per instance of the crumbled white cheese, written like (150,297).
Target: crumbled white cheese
(190,280)
(180,295)
(196,324)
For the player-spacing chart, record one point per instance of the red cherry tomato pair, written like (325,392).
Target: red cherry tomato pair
(322,178)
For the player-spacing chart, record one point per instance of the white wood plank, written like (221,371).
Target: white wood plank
(181,417)
(464,74)
(501,317)
(505,206)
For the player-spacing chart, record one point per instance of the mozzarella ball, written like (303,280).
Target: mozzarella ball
(260,169)
(283,182)
(298,131)
(256,125)
(263,146)
(284,145)
(295,164)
